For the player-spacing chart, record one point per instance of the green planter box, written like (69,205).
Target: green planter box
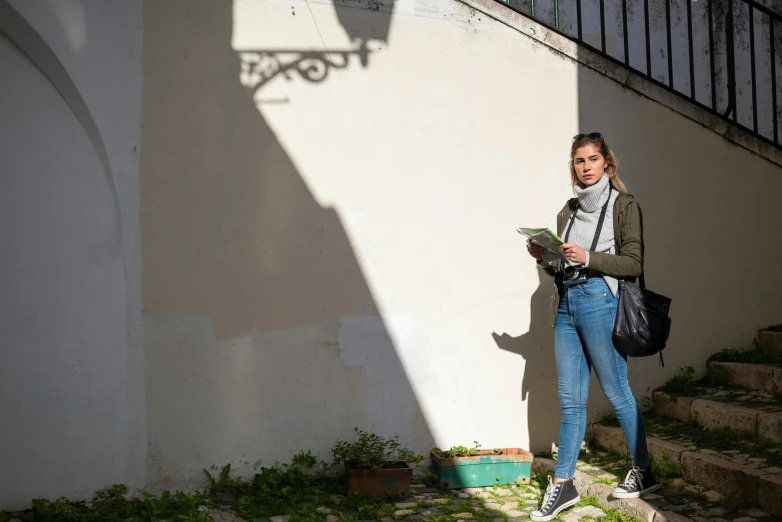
(513,465)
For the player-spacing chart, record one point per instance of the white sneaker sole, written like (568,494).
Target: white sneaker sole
(536,518)
(637,494)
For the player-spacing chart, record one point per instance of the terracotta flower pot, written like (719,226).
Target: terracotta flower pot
(393,480)
(484,469)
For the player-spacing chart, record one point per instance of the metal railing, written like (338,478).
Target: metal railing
(720,55)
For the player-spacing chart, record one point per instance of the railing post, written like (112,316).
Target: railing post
(689,41)
(730,62)
(774,82)
(668,36)
(602,26)
(648,40)
(624,33)
(752,68)
(711,58)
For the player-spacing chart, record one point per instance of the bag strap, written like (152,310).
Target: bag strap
(570,225)
(600,221)
(641,279)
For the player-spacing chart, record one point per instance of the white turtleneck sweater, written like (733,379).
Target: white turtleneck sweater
(591,200)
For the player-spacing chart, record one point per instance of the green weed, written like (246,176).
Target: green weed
(112,505)
(372,451)
(665,469)
(219,485)
(682,384)
(612,514)
(755,355)
(458,451)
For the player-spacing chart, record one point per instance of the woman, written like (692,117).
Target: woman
(603,244)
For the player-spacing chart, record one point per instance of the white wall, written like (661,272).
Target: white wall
(331,243)
(71,385)
(328,235)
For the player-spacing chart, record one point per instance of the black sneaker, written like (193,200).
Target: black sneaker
(558,497)
(637,482)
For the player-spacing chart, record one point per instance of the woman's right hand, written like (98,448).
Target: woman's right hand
(535,251)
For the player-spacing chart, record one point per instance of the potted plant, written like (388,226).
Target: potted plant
(462,467)
(376,466)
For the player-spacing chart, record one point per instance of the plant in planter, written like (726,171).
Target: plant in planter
(376,466)
(462,467)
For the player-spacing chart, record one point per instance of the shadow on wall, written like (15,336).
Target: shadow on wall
(262,336)
(350,16)
(71,381)
(539,383)
(696,190)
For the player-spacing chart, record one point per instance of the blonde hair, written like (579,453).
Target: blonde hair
(613,166)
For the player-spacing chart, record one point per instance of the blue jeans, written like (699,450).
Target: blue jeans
(582,341)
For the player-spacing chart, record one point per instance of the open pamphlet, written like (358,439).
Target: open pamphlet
(547,239)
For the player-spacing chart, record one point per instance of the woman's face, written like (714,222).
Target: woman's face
(590,165)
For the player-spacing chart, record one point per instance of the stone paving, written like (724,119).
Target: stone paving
(509,503)
(485,504)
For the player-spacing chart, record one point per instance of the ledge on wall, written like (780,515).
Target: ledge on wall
(625,77)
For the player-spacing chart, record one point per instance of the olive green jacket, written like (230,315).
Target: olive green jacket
(628,234)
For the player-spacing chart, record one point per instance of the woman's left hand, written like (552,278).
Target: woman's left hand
(574,253)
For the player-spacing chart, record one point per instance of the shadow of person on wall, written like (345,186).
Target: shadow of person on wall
(539,382)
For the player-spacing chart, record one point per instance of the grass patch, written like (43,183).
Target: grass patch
(719,376)
(682,384)
(612,514)
(430,480)
(755,355)
(296,490)
(666,470)
(285,490)
(113,505)
(612,458)
(365,508)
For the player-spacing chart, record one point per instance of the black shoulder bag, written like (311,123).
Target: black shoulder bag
(642,325)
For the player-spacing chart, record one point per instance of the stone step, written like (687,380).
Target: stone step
(770,342)
(753,376)
(759,422)
(707,468)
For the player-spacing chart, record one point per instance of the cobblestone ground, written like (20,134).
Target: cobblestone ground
(507,503)
(488,504)
(675,494)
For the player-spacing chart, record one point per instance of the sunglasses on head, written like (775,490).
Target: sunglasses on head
(593,135)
